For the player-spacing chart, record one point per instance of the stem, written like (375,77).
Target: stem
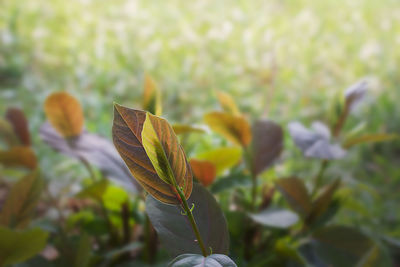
(248,160)
(342,119)
(319,176)
(192,221)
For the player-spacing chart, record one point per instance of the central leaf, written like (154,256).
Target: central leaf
(150,149)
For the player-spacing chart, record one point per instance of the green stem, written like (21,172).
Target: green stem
(192,221)
(319,176)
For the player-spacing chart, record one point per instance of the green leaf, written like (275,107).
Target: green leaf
(94,191)
(347,247)
(267,144)
(185,128)
(75,252)
(17,246)
(175,232)
(276,218)
(127,136)
(234,128)
(229,182)
(295,193)
(370,138)
(214,260)
(223,158)
(151,96)
(22,200)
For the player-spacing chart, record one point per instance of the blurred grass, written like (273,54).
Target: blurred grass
(285,60)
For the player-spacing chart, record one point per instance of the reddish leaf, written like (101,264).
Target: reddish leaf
(204,171)
(20,125)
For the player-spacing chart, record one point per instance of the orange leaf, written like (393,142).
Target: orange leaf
(234,128)
(64,113)
(20,125)
(127,137)
(204,171)
(227,103)
(18,156)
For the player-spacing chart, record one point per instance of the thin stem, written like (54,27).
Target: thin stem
(319,176)
(248,160)
(192,222)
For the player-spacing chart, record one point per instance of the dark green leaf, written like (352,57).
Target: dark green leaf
(295,193)
(175,231)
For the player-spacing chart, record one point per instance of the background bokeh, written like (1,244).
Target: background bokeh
(284,60)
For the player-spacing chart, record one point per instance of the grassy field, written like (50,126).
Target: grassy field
(284,60)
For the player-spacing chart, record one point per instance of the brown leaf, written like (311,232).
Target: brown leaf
(295,192)
(19,156)
(7,133)
(127,137)
(64,113)
(204,171)
(19,123)
(267,144)
(21,201)
(234,128)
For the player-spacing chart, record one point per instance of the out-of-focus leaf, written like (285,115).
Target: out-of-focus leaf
(315,143)
(276,218)
(151,96)
(229,182)
(19,156)
(175,231)
(234,128)
(7,133)
(114,197)
(17,246)
(127,137)
(214,260)
(223,158)
(64,113)
(97,150)
(370,138)
(267,144)
(166,154)
(21,201)
(323,200)
(355,93)
(345,246)
(75,252)
(227,103)
(185,128)
(295,193)
(288,251)
(94,191)
(127,248)
(204,171)
(19,123)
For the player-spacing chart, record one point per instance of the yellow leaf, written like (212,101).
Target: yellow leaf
(127,137)
(21,201)
(204,171)
(227,103)
(184,128)
(18,156)
(151,96)
(223,158)
(234,128)
(370,138)
(64,113)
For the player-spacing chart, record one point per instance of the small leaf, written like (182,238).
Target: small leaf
(19,123)
(204,171)
(355,93)
(95,190)
(7,133)
(234,128)
(185,128)
(151,96)
(223,158)
(75,251)
(342,245)
(21,201)
(276,218)
(295,193)
(214,260)
(229,182)
(97,150)
(18,246)
(323,200)
(127,137)
(370,138)
(267,144)
(175,231)
(19,156)
(227,103)
(64,113)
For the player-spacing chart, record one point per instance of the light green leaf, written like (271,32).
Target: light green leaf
(223,158)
